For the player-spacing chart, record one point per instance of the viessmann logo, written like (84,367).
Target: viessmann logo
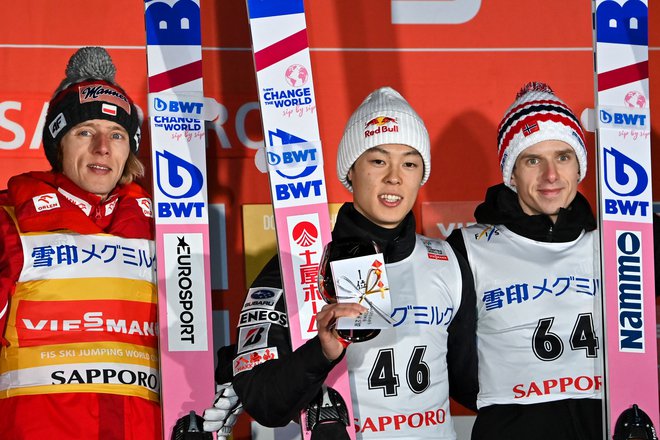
(62,322)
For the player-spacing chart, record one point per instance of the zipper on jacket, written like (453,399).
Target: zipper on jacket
(550,234)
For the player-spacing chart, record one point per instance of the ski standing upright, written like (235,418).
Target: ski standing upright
(177,111)
(297,182)
(625,216)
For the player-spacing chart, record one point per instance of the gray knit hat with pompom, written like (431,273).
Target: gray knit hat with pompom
(89,91)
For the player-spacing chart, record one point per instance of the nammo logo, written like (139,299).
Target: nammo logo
(177,178)
(623,176)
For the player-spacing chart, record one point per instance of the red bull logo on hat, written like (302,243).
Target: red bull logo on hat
(381,124)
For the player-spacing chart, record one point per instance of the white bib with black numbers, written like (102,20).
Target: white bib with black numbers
(399,379)
(538,325)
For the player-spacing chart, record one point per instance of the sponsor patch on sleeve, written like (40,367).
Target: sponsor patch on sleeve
(261,316)
(145,204)
(262,297)
(434,250)
(253,337)
(247,361)
(46,202)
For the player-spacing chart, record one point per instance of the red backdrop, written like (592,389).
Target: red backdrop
(459,77)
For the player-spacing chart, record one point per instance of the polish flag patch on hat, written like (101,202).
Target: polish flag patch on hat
(109,109)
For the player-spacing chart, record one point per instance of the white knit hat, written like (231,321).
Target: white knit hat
(537,115)
(384,117)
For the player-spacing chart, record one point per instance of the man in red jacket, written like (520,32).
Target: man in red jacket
(79,355)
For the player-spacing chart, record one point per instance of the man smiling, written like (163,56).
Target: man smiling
(77,251)
(535,266)
(402,378)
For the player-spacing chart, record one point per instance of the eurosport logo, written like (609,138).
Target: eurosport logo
(629,119)
(186,297)
(177,178)
(626,178)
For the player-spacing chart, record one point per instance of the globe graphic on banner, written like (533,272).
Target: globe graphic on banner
(296,75)
(635,99)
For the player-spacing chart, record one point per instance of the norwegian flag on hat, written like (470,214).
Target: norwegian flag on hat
(530,128)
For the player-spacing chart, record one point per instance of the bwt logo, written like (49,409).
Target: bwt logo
(178,179)
(298,190)
(625,178)
(286,161)
(178,106)
(627,119)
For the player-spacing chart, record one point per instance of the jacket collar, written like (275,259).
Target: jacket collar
(396,244)
(501,207)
